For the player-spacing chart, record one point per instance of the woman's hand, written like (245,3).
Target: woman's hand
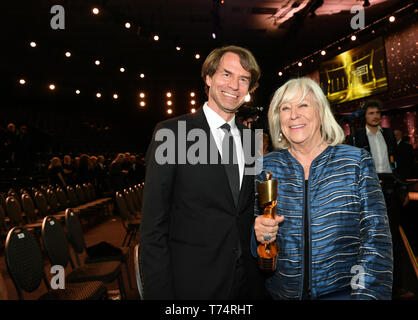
(265,226)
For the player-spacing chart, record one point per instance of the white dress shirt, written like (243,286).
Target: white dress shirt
(379,151)
(215,122)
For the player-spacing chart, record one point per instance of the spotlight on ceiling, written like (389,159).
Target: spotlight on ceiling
(323,53)
(142,76)
(353,38)
(68,54)
(156,38)
(22,81)
(127,25)
(52,86)
(392,19)
(197,56)
(77,91)
(178,48)
(95,11)
(33,44)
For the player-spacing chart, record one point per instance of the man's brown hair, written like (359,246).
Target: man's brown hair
(246,58)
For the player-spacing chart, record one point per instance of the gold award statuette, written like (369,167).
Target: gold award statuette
(267,193)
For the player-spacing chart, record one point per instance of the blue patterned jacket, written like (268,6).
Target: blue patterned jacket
(348,225)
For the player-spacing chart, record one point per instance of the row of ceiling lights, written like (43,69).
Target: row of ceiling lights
(323,52)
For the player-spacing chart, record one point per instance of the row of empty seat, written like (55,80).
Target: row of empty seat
(24,260)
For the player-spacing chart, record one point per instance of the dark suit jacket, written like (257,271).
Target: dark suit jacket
(404,155)
(361,140)
(191,232)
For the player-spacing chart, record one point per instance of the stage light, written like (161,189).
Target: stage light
(142,76)
(95,11)
(353,38)
(178,48)
(98,95)
(122,69)
(169,102)
(77,91)
(392,19)
(168,94)
(127,25)
(142,95)
(52,86)
(193,110)
(115,96)
(33,44)
(213,35)
(323,52)
(68,54)
(193,102)
(142,103)
(299,64)
(97,62)
(22,81)
(169,111)
(197,56)
(156,38)
(280,73)
(192,94)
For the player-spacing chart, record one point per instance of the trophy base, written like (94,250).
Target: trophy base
(267,264)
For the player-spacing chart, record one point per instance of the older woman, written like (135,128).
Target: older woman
(332,229)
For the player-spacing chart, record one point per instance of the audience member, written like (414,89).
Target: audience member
(55,172)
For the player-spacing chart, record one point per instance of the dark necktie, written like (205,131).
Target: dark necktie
(230,161)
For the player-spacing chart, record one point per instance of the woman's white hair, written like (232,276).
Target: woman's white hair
(331,131)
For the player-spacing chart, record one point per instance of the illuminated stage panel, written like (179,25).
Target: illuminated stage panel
(355,74)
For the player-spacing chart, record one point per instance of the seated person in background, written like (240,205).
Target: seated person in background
(68,169)
(56,172)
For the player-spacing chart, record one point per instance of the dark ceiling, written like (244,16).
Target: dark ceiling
(279,32)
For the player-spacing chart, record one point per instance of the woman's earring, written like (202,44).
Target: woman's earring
(280,137)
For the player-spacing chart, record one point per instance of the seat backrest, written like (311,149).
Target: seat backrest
(79,190)
(55,242)
(139,191)
(52,200)
(72,197)
(62,198)
(138,272)
(29,207)
(74,231)
(123,208)
(41,203)
(135,199)
(129,201)
(14,211)
(24,260)
(91,192)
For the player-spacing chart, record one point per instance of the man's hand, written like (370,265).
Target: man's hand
(264,226)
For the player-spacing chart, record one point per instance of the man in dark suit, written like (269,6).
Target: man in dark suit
(404,156)
(381,144)
(197,208)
